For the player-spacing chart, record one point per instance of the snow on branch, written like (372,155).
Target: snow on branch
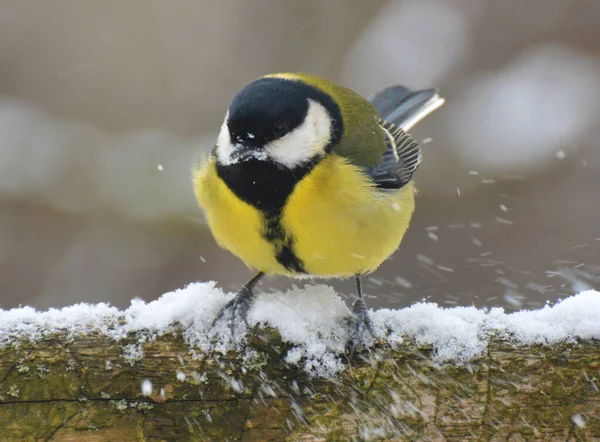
(313,321)
(160,371)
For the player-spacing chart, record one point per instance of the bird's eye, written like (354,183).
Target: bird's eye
(280,130)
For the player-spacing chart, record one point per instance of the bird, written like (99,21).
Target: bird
(310,179)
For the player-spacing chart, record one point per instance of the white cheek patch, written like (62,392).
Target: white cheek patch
(306,141)
(224,147)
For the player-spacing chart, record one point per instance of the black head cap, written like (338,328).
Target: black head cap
(270,107)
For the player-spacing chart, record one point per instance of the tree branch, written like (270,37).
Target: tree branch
(84,389)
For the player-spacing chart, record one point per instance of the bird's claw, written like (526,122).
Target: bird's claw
(359,321)
(236,308)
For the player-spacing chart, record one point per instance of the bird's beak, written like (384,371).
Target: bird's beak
(243,152)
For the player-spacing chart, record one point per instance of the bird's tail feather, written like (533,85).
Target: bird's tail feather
(405,108)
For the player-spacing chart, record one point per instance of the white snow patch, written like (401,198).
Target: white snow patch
(147,387)
(455,333)
(578,420)
(313,319)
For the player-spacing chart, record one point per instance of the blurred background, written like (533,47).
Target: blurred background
(106,104)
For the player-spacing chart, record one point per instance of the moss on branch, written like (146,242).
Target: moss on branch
(88,389)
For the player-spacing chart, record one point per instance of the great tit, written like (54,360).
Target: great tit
(310,179)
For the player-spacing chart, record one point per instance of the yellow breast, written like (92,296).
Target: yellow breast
(236,225)
(341,225)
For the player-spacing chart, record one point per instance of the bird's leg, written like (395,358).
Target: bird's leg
(240,304)
(360,320)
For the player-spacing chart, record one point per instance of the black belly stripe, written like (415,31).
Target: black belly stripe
(283,242)
(266,186)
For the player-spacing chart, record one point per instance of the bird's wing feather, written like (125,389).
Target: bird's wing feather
(399,161)
(400,110)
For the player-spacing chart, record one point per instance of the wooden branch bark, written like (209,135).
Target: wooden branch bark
(84,389)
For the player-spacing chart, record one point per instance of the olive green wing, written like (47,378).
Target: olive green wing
(375,135)
(364,141)
(392,155)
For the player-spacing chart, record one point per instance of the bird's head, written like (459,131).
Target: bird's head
(279,120)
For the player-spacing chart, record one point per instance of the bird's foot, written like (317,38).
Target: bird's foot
(236,309)
(359,321)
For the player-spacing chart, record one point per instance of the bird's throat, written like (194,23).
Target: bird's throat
(262,184)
